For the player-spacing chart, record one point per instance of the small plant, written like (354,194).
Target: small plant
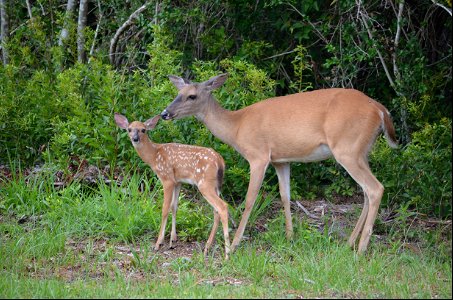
(301,64)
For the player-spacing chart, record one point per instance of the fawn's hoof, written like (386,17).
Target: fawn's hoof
(172,244)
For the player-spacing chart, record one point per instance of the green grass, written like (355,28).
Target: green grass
(85,242)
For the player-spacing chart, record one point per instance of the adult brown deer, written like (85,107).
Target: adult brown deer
(303,127)
(175,164)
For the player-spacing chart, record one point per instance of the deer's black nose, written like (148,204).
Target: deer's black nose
(165,115)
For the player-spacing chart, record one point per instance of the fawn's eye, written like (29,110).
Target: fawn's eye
(129,129)
(143,130)
(192,97)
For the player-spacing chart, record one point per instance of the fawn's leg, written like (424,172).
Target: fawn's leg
(221,208)
(168,195)
(213,232)
(174,209)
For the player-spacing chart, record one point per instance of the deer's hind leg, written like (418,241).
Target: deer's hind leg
(357,166)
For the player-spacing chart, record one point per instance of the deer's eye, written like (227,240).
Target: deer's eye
(129,129)
(192,97)
(143,130)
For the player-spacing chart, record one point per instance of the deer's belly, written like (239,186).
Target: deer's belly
(322,152)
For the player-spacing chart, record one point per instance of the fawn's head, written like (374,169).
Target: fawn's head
(192,97)
(136,130)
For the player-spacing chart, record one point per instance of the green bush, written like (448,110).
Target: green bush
(70,113)
(420,173)
(27,108)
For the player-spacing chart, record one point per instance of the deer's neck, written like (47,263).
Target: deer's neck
(147,151)
(221,122)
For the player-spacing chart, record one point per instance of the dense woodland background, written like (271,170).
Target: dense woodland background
(67,66)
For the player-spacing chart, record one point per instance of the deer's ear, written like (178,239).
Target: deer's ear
(216,81)
(177,81)
(121,121)
(151,123)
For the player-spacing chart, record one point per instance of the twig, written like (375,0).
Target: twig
(381,58)
(280,54)
(97,31)
(311,24)
(310,215)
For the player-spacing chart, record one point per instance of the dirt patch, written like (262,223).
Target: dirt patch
(104,258)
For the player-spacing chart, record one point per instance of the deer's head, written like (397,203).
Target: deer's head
(192,97)
(136,130)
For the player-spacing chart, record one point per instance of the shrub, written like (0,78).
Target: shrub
(420,173)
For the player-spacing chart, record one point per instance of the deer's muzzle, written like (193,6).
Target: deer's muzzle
(166,115)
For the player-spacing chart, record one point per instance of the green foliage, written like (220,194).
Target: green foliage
(86,132)
(28,47)
(56,110)
(300,64)
(122,212)
(26,107)
(420,173)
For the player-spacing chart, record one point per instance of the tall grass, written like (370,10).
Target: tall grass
(96,242)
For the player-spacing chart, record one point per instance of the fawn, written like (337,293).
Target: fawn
(178,163)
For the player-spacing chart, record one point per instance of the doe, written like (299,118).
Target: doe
(303,127)
(178,163)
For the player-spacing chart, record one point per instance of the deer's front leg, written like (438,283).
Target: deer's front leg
(168,196)
(257,170)
(174,209)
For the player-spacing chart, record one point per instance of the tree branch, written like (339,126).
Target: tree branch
(397,39)
(122,28)
(30,15)
(443,6)
(97,30)
(363,17)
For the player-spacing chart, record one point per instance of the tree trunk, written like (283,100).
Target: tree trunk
(81,54)
(4,31)
(69,12)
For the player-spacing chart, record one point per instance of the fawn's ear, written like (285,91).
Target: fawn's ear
(121,121)
(151,123)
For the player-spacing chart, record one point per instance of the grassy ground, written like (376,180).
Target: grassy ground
(96,242)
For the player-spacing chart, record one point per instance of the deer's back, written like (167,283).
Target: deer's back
(294,126)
